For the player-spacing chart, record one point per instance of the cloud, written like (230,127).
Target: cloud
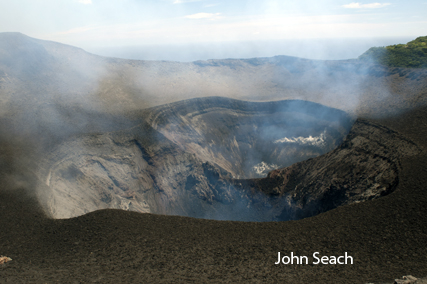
(211,5)
(86,2)
(204,16)
(356,5)
(185,1)
(221,28)
(79,30)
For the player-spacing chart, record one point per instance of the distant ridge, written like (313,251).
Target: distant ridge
(37,72)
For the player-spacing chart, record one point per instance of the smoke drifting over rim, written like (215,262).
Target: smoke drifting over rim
(52,93)
(317,49)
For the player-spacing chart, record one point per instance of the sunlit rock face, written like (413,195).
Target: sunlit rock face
(181,158)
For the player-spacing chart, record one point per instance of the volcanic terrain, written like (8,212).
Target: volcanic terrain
(336,147)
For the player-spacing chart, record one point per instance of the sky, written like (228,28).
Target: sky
(155,24)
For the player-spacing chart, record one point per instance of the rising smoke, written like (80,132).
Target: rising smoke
(55,95)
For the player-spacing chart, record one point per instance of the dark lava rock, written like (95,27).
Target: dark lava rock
(365,166)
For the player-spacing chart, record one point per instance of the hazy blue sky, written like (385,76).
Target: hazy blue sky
(111,23)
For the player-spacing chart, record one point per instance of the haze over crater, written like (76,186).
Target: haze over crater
(100,135)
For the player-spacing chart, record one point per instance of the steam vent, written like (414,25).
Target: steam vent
(224,159)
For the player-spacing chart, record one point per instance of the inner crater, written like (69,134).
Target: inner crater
(248,139)
(224,159)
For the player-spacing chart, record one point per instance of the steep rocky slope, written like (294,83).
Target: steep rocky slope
(365,166)
(250,139)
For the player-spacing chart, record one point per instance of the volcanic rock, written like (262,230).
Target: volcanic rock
(365,166)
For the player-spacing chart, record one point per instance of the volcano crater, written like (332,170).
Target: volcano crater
(225,159)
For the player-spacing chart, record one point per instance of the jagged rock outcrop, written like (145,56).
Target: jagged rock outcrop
(409,279)
(4,259)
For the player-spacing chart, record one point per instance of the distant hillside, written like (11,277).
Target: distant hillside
(413,54)
(36,75)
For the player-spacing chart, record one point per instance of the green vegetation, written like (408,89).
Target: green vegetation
(413,54)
